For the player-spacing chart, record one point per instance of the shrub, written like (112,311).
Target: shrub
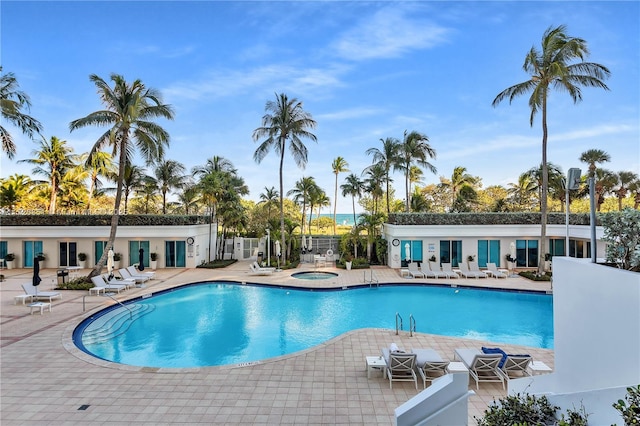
(214,264)
(82,257)
(117,256)
(10,257)
(528,409)
(631,412)
(535,277)
(153,256)
(622,235)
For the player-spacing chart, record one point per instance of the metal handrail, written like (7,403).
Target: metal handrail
(412,325)
(400,318)
(115,300)
(370,281)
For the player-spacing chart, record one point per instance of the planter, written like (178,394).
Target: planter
(348,265)
(154,264)
(10,264)
(116,265)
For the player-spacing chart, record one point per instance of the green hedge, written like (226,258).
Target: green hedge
(484,219)
(100,220)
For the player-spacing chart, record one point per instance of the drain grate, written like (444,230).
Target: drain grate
(83,407)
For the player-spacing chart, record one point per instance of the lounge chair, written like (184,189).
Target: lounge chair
(32,290)
(467,273)
(127,282)
(134,271)
(474,267)
(428,273)
(402,368)
(139,279)
(511,366)
(433,266)
(258,270)
(430,365)
(414,271)
(446,267)
(482,367)
(491,267)
(99,281)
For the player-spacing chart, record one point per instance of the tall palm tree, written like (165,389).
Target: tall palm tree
(12,104)
(132,181)
(414,150)
(101,164)
(416,175)
(214,164)
(189,197)
(625,180)
(352,186)
(524,193)
(593,157)
(387,158)
(552,68)
(338,166)
(169,175)
(374,177)
(52,160)
(13,189)
(460,179)
(129,110)
(269,197)
(284,121)
(302,195)
(318,199)
(605,183)
(554,179)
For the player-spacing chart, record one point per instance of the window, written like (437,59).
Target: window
(556,246)
(488,251)
(29,250)
(134,252)
(451,252)
(3,253)
(68,253)
(411,251)
(527,253)
(174,254)
(98,248)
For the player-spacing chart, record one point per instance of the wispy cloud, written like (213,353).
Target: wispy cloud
(389,33)
(152,49)
(349,114)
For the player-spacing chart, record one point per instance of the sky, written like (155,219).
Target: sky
(365,71)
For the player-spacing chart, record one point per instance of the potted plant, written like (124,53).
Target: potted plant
(82,257)
(432,258)
(116,260)
(154,260)
(348,261)
(9,259)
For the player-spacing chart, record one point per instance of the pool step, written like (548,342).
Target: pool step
(115,322)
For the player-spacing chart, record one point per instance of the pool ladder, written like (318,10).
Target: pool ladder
(412,324)
(372,281)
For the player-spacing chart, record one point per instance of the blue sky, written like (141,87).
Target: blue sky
(364,70)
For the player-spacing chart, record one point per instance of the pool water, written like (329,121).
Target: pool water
(225,323)
(314,275)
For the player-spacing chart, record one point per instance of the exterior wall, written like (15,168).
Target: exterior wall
(597,339)
(430,235)
(85,237)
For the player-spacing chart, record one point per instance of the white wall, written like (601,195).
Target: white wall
(596,312)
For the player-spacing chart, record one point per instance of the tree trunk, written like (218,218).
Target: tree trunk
(543,196)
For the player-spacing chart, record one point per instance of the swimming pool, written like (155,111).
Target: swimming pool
(227,323)
(314,275)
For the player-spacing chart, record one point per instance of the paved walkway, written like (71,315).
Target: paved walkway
(45,379)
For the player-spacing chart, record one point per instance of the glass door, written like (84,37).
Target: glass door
(174,254)
(29,250)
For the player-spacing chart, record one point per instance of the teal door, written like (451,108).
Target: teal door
(175,254)
(29,250)
(134,252)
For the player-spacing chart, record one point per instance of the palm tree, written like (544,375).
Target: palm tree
(52,160)
(318,199)
(284,121)
(12,104)
(625,180)
(189,197)
(129,109)
(269,197)
(132,181)
(169,175)
(414,150)
(375,176)
(605,182)
(101,164)
(352,186)
(302,195)
(13,189)
(592,157)
(552,68)
(554,179)
(523,193)
(214,164)
(460,180)
(415,176)
(338,166)
(387,158)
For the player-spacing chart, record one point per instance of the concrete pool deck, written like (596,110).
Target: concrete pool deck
(45,379)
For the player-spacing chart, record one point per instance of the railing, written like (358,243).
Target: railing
(412,325)
(398,323)
(110,297)
(370,281)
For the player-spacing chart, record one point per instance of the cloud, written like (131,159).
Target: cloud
(389,33)
(349,114)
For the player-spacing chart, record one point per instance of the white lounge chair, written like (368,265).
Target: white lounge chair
(482,367)
(32,290)
(258,270)
(430,365)
(446,267)
(515,366)
(139,279)
(467,273)
(474,267)
(402,368)
(491,267)
(414,271)
(134,271)
(433,266)
(99,281)
(127,282)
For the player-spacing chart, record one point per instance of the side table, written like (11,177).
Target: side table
(23,298)
(375,363)
(40,305)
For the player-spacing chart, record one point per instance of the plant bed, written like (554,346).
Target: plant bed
(76,284)
(535,277)
(214,264)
